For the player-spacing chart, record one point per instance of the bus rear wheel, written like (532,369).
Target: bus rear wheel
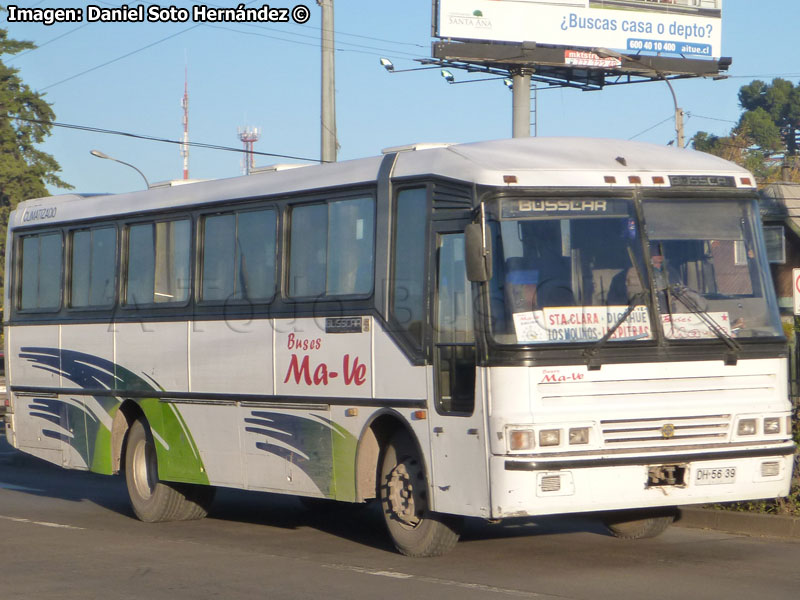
(152,499)
(415,530)
(638,525)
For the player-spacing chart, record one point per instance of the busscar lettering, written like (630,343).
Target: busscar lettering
(562,206)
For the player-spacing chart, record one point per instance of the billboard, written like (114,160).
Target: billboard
(690,28)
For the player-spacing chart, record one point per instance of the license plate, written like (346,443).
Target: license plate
(715,476)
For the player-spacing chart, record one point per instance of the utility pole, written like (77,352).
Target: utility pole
(678,115)
(328,120)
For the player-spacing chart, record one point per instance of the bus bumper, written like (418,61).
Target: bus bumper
(527,487)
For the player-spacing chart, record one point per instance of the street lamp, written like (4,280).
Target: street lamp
(679,134)
(389,66)
(99,154)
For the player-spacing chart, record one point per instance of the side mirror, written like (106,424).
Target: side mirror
(478,254)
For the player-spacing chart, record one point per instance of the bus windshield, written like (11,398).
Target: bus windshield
(568,271)
(561,268)
(708,262)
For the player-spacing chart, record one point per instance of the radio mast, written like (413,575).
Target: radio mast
(249,136)
(185,104)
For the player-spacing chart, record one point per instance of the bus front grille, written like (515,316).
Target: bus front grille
(624,432)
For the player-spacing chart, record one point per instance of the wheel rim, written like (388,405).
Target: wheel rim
(144,469)
(406,501)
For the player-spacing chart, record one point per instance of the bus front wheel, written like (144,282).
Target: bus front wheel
(637,525)
(414,529)
(153,500)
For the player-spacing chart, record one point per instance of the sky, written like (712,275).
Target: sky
(129,77)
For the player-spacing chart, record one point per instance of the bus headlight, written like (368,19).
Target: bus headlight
(520,439)
(772,425)
(549,437)
(578,436)
(746,427)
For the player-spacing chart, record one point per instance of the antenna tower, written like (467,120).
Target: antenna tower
(185,105)
(249,136)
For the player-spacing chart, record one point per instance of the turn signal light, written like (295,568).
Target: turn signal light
(520,439)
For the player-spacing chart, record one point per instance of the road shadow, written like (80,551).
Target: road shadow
(25,473)
(359,523)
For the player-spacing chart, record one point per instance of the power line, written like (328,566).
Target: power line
(315,44)
(712,118)
(65,34)
(152,138)
(669,118)
(764,75)
(113,60)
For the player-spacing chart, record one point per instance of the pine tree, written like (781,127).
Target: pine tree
(25,121)
(767,137)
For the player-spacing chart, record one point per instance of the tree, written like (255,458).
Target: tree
(766,139)
(25,121)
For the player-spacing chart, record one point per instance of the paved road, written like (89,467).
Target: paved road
(71,535)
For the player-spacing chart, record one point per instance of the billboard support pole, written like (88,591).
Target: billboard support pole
(521,103)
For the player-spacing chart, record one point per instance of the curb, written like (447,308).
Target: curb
(751,524)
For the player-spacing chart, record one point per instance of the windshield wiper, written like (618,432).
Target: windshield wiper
(679,292)
(592,361)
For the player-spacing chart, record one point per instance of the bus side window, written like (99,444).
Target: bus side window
(238,257)
(93,264)
(408,262)
(158,263)
(455,336)
(332,248)
(41,272)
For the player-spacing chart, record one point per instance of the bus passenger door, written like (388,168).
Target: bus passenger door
(458,444)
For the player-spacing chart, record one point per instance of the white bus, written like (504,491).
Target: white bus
(499,329)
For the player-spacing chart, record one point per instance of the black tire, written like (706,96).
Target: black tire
(153,500)
(639,525)
(415,530)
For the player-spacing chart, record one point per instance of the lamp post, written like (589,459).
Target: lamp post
(99,154)
(679,133)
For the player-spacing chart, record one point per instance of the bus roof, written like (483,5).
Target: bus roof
(521,162)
